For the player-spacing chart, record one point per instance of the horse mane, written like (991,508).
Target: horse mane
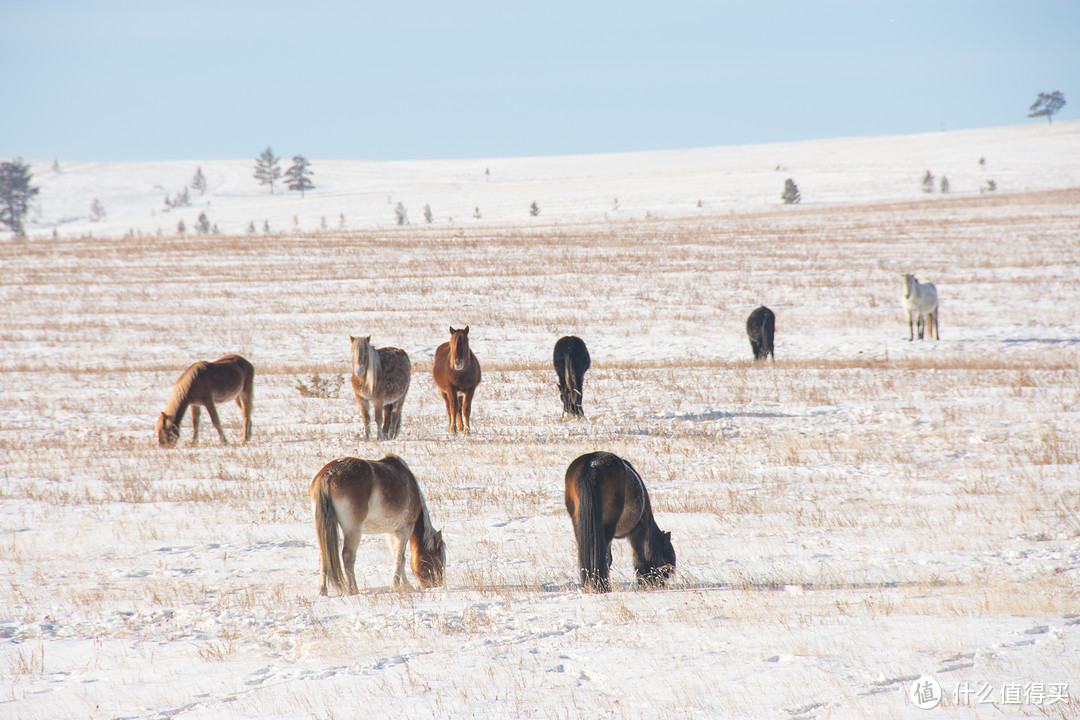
(424,530)
(182,388)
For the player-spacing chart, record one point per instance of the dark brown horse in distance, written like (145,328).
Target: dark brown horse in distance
(571,361)
(607,499)
(457,373)
(206,384)
(760,328)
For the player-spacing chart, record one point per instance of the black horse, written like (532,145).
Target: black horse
(760,327)
(571,360)
(606,499)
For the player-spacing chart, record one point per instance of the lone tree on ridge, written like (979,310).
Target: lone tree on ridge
(1047,104)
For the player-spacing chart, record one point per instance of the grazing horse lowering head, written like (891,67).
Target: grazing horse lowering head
(168,432)
(428,561)
(459,348)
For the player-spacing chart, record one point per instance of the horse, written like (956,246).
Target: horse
(920,299)
(380,378)
(607,499)
(373,496)
(571,360)
(760,327)
(205,384)
(457,373)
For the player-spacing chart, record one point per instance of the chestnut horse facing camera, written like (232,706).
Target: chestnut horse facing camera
(457,373)
(205,384)
(370,496)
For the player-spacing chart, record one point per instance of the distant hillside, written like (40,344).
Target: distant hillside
(354,194)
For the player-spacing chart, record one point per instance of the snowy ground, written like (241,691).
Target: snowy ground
(860,514)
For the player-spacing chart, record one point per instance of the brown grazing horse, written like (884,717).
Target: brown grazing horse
(380,378)
(457,373)
(606,499)
(208,383)
(374,497)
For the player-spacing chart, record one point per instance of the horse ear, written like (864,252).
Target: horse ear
(368,339)
(667,536)
(451,329)
(352,339)
(466,329)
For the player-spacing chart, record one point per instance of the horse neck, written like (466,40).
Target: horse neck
(180,399)
(423,534)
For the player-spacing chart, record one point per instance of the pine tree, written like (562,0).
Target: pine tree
(267,169)
(203,224)
(181,228)
(97,211)
(298,177)
(199,182)
(791,192)
(534,209)
(402,214)
(428,216)
(1047,104)
(928,182)
(16,193)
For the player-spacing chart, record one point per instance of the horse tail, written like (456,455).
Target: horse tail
(573,385)
(768,329)
(591,541)
(326,523)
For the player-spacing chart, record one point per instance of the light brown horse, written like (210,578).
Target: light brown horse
(205,384)
(374,497)
(457,373)
(607,499)
(380,378)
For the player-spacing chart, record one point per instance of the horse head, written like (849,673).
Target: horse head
(659,564)
(428,562)
(459,348)
(168,432)
(361,350)
(909,283)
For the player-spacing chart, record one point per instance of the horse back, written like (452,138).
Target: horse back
(381,496)
(617,487)
(395,373)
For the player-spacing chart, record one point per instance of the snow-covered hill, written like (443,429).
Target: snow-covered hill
(669,184)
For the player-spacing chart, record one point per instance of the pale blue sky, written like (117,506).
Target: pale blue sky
(191,79)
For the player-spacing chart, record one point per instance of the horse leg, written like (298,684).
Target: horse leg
(448,399)
(245,410)
(380,411)
(365,415)
(211,409)
(196,416)
(911,327)
(399,543)
(466,409)
(350,542)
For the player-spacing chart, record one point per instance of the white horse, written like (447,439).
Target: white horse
(920,299)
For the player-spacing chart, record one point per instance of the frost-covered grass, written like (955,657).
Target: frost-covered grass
(862,512)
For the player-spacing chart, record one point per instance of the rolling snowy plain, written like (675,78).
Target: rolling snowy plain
(855,522)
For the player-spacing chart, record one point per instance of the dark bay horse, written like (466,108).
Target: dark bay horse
(457,373)
(760,327)
(571,360)
(205,384)
(380,379)
(607,499)
(373,497)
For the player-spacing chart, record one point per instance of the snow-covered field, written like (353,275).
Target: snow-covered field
(862,517)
